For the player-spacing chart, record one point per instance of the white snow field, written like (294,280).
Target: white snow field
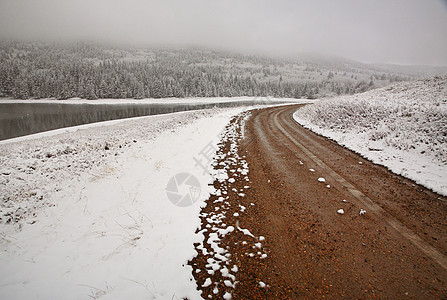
(85,212)
(403,127)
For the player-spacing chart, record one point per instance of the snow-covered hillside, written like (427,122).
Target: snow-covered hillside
(403,127)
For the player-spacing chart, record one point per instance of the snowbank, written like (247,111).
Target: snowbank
(403,127)
(86,213)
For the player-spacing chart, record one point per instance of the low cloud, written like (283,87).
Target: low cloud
(394,31)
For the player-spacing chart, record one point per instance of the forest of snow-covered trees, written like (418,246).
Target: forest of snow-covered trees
(38,70)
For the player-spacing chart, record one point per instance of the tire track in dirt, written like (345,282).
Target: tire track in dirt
(429,250)
(312,251)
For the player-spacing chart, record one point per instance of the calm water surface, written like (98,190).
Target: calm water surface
(18,119)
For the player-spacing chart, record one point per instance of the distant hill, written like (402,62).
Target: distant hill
(62,71)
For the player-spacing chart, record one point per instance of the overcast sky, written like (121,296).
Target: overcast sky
(388,31)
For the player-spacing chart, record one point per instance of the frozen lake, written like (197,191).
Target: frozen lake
(23,118)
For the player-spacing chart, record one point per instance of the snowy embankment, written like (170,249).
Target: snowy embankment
(89,211)
(403,127)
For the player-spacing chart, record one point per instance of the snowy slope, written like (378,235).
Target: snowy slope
(403,127)
(88,211)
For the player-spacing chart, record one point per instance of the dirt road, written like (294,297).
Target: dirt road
(396,249)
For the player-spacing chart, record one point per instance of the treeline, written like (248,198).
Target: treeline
(62,72)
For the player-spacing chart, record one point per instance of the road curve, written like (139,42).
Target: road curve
(397,249)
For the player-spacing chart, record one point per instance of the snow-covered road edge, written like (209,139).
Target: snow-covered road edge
(425,172)
(104,225)
(399,127)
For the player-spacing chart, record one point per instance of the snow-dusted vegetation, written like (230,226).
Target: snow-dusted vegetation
(39,70)
(32,169)
(403,127)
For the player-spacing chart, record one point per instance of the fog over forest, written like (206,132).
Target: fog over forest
(395,31)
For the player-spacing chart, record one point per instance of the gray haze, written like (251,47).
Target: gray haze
(387,31)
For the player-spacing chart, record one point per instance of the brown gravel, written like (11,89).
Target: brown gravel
(395,250)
